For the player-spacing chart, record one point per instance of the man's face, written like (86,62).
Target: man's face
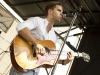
(57,13)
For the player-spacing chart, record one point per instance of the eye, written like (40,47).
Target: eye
(59,10)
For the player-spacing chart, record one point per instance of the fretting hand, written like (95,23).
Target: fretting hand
(70,57)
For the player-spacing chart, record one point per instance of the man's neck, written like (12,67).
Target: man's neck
(50,24)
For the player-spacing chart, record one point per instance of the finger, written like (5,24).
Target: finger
(39,51)
(36,51)
(43,50)
(69,55)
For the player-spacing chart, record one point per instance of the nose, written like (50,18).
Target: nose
(61,14)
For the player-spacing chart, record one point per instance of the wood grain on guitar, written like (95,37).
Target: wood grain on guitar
(22,55)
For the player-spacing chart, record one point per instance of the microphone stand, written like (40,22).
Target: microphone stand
(72,22)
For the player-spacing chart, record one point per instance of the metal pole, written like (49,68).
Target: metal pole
(73,20)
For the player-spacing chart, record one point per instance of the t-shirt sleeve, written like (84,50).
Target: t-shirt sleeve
(30,23)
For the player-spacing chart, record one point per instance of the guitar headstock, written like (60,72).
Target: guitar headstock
(86,57)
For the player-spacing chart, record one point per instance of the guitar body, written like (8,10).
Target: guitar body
(22,57)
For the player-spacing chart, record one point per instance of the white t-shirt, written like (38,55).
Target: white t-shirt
(37,27)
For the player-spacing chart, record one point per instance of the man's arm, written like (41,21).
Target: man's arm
(25,33)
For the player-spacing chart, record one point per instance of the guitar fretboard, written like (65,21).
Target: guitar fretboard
(64,53)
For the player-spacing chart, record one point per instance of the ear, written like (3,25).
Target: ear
(49,11)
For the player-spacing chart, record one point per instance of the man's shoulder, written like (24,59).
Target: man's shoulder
(38,18)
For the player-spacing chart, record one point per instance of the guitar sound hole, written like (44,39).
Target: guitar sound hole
(47,50)
(34,51)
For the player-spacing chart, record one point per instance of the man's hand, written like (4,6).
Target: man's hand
(70,56)
(40,49)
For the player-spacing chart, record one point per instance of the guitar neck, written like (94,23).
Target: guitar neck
(64,53)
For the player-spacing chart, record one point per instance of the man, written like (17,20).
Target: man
(41,28)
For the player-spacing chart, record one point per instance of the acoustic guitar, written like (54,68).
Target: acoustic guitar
(24,60)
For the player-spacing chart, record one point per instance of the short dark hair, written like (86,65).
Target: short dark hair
(51,5)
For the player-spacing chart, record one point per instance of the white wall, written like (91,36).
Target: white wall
(5,42)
